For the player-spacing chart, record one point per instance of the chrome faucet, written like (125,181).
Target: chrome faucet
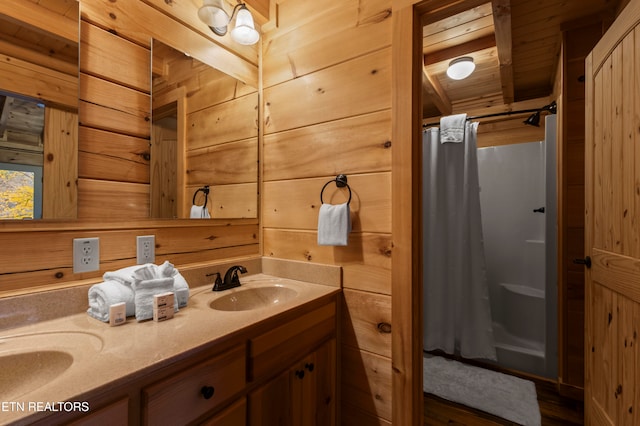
(231,279)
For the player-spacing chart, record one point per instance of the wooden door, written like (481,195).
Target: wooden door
(612,222)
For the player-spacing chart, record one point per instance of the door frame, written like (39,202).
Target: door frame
(408,18)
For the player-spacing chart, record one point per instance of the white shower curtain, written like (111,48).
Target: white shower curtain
(457,314)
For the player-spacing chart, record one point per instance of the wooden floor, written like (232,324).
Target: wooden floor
(554,410)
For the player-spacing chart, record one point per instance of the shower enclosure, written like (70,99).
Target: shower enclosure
(518,204)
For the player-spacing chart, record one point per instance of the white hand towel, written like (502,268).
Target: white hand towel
(334,224)
(452,128)
(180,286)
(144,292)
(123,275)
(199,212)
(107,293)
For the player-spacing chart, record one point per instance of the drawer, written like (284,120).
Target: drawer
(190,393)
(290,341)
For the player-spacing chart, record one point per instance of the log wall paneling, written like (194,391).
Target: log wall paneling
(352,145)
(577,42)
(60,168)
(327,111)
(177,244)
(112,156)
(39,82)
(367,385)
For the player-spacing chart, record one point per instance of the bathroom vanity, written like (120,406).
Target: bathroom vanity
(273,361)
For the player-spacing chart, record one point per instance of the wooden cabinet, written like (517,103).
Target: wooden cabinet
(304,394)
(116,413)
(279,371)
(190,394)
(234,415)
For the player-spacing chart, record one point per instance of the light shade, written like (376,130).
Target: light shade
(461,68)
(244,31)
(213,13)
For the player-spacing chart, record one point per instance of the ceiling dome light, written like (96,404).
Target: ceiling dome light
(244,32)
(461,68)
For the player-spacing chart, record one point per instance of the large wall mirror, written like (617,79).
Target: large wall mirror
(38,110)
(204,140)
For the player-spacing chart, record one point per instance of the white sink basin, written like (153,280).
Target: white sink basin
(254,298)
(30,361)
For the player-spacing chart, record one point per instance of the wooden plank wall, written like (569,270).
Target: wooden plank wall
(327,82)
(221,148)
(577,43)
(113,163)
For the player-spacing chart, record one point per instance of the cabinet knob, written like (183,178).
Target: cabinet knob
(300,374)
(207,391)
(309,366)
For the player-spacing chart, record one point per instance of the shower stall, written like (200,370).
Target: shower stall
(518,208)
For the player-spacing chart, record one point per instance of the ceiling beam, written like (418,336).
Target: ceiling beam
(432,88)
(502,23)
(435,10)
(460,50)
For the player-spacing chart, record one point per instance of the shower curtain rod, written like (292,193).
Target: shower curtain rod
(498,114)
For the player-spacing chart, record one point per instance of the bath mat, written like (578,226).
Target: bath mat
(499,394)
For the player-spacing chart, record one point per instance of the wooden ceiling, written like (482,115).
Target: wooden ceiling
(515,45)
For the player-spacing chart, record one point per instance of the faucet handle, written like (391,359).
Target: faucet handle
(218,281)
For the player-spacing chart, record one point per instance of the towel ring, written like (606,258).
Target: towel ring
(205,191)
(341,182)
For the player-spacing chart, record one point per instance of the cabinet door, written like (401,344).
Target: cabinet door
(302,395)
(271,403)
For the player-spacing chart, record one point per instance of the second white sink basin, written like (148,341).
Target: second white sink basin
(254,298)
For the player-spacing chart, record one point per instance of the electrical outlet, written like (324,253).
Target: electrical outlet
(146,248)
(86,254)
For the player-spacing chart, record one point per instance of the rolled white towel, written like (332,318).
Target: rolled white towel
(123,275)
(144,290)
(107,293)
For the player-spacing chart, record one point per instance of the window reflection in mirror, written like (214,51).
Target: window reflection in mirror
(205,133)
(21,157)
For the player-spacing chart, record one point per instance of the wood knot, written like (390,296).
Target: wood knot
(610,318)
(59,275)
(307,255)
(384,327)
(49,157)
(387,144)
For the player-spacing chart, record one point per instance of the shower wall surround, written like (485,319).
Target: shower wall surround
(515,182)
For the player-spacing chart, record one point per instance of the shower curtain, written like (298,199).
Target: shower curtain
(457,314)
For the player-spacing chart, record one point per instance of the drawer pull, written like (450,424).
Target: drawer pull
(300,374)
(207,391)
(309,366)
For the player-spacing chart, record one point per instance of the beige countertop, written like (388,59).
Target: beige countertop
(102,354)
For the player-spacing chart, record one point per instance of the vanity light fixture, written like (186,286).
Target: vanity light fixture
(214,14)
(461,68)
